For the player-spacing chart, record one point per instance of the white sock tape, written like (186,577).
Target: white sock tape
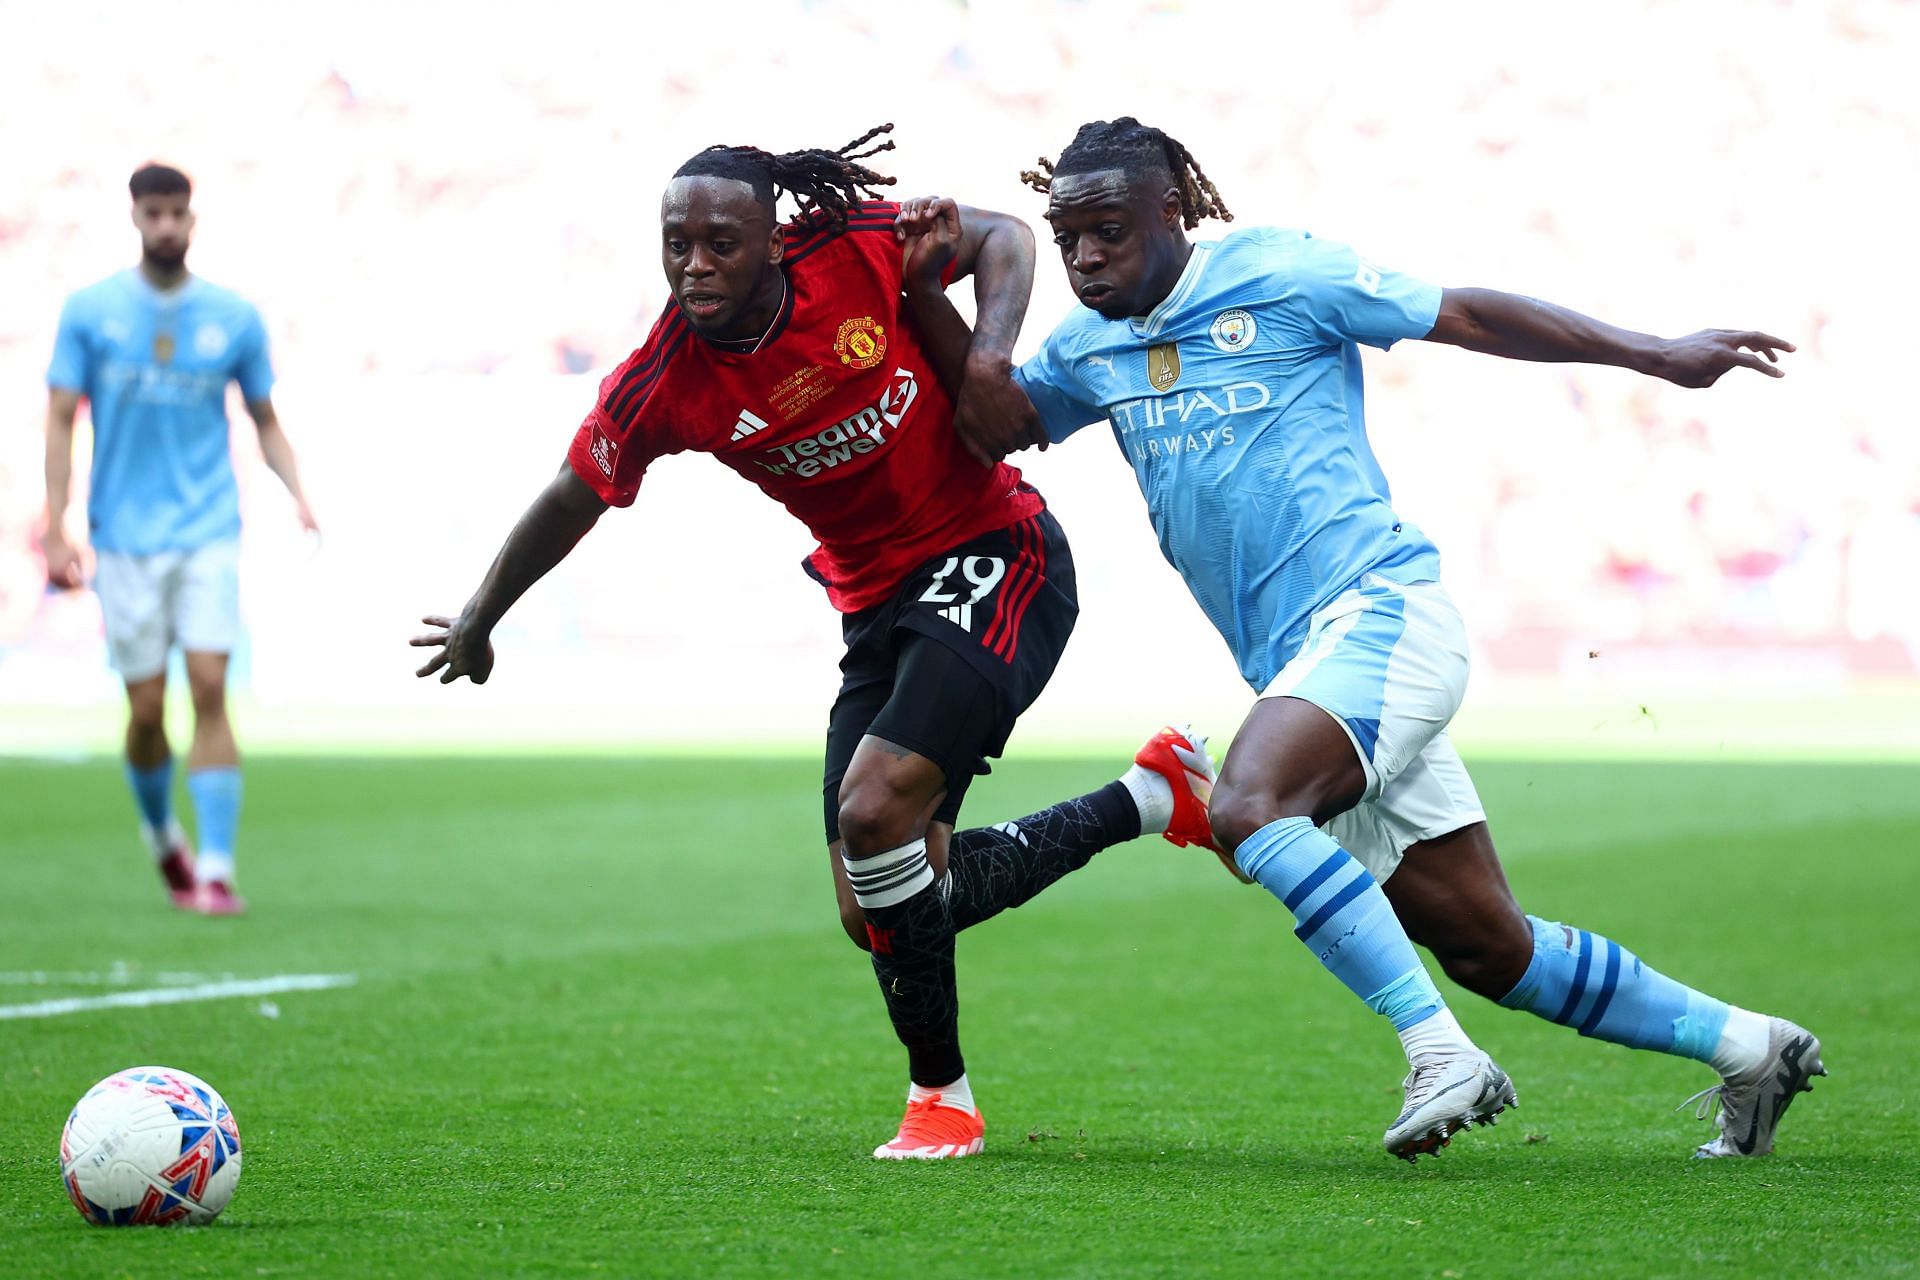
(889,878)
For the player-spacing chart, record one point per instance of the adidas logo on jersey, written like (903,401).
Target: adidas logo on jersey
(747,425)
(960,615)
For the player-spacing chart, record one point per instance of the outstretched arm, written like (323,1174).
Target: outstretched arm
(1520,328)
(545,534)
(278,452)
(63,559)
(996,249)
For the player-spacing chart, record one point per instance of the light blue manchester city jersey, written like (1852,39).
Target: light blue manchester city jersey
(1238,401)
(155,368)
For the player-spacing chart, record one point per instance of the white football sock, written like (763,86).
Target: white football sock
(213,864)
(1153,794)
(1743,1041)
(958,1095)
(1436,1036)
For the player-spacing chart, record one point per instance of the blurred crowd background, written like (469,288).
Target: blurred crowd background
(447,214)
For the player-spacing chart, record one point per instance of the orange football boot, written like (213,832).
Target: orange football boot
(933,1132)
(1179,755)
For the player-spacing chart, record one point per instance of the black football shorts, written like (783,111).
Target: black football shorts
(947,664)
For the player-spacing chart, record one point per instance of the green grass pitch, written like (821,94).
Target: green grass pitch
(605,1022)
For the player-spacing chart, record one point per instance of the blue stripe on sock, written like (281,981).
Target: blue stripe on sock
(1306,887)
(1579,986)
(1331,907)
(1607,985)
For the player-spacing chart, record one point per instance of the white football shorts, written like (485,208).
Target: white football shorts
(153,602)
(1388,662)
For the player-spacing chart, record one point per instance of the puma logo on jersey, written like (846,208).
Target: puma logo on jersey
(747,425)
(861,433)
(1105,360)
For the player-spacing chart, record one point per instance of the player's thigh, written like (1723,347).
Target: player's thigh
(1289,759)
(134,592)
(876,791)
(977,633)
(943,720)
(867,670)
(205,603)
(1388,662)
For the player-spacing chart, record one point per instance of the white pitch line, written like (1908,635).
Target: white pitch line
(180,995)
(113,978)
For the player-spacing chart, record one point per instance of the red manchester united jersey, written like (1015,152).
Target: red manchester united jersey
(837,415)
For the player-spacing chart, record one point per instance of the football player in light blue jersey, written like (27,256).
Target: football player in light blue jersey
(1230,375)
(152,350)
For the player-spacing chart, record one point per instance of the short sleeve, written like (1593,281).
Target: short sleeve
(1056,397)
(597,458)
(253,369)
(1345,298)
(68,369)
(628,427)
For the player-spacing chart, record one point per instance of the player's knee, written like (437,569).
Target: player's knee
(1236,813)
(1488,961)
(209,698)
(874,819)
(147,711)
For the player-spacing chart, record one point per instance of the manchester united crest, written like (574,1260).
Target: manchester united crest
(860,343)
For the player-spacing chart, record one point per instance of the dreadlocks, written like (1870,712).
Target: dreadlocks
(1139,151)
(816,179)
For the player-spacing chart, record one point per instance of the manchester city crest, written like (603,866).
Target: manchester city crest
(1233,330)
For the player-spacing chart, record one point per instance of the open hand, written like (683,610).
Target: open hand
(1699,359)
(463,651)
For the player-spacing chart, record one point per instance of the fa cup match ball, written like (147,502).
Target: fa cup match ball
(150,1145)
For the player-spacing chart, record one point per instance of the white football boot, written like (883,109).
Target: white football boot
(1444,1096)
(1750,1103)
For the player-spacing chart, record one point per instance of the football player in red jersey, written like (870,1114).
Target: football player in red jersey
(788,353)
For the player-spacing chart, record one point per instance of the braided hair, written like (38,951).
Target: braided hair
(815,178)
(1139,151)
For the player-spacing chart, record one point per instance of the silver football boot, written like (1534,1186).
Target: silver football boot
(1444,1096)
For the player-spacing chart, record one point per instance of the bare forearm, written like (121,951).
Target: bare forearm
(943,333)
(1522,328)
(277,451)
(1003,285)
(548,531)
(59,470)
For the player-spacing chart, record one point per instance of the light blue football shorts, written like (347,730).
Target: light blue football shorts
(1388,661)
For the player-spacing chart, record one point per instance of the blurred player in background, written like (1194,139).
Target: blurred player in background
(1232,378)
(152,349)
(787,355)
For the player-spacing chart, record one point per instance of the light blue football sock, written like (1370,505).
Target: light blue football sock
(153,792)
(216,807)
(1342,917)
(1595,985)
